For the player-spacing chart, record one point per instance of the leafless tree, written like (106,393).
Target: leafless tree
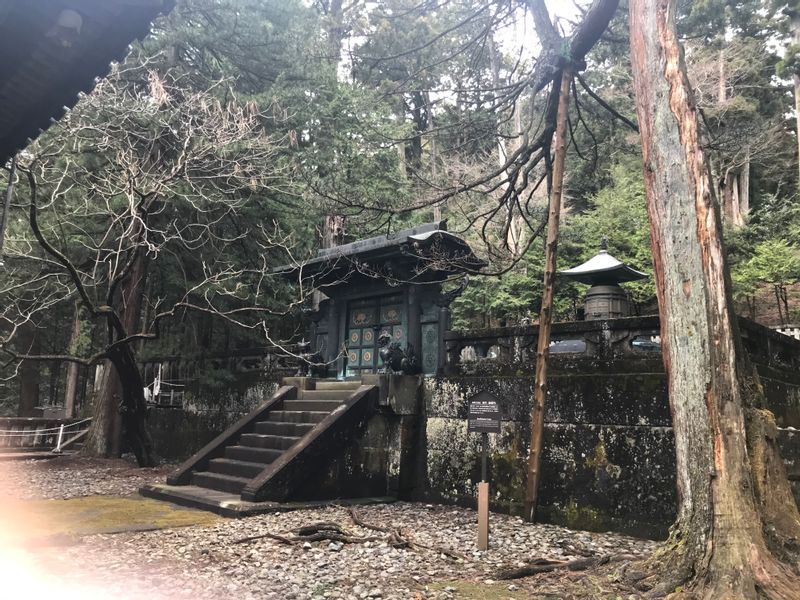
(144,172)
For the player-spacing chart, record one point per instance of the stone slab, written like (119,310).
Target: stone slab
(22,455)
(232,506)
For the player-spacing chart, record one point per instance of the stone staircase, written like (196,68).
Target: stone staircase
(268,453)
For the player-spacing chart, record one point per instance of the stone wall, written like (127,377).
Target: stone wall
(608,459)
(608,456)
(180,431)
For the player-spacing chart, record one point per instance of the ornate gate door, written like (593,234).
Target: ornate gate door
(367,320)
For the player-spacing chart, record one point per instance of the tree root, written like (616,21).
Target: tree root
(545,565)
(317,532)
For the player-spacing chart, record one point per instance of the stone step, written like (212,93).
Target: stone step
(312,405)
(218,481)
(235,468)
(337,385)
(260,440)
(296,416)
(324,395)
(250,454)
(283,429)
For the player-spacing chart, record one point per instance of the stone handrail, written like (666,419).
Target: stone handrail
(769,347)
(631,337)
(179,373)
(599,339)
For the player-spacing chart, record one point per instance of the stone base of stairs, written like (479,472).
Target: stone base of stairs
(231,505)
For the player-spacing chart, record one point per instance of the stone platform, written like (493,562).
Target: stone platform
(231,505)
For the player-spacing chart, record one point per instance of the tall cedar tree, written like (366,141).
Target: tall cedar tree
(736,516)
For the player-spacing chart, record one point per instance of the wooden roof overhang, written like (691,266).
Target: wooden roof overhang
(51,50)
(424,254)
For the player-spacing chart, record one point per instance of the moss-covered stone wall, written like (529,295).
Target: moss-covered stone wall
(608,457)
(179,432)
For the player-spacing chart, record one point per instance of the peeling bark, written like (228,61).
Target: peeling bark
(727,463)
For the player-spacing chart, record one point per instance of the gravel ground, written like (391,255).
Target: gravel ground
(207,562)
(72,476)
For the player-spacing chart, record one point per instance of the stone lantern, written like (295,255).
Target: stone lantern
(605,299)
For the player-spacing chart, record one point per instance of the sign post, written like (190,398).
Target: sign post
(484,418)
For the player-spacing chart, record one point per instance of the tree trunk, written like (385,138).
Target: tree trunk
(71,385)
(7,204)
(333,231)
(133,407)
(120,409)
(546,314)
(105,408)
(29,374)
(414,145)
(744,187)
(334,30)
(727,197)
(777,289)
(795,25)
(730,478)
(785,300)
(736,209)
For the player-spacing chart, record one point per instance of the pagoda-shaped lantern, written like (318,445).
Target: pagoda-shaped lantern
(605,299)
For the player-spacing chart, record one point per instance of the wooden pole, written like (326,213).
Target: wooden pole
(483,496)
(483,515)
(546,315)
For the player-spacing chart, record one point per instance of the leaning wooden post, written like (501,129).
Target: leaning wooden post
(546,315)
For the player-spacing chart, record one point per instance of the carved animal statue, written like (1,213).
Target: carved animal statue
(395,359)
(311,363)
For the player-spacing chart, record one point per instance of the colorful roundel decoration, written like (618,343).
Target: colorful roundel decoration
(392,314)
(368,336)
(353,357)
(398,334)
(367,356)
(354,337)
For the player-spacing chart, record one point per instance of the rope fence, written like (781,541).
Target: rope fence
(52,435)
(43,430)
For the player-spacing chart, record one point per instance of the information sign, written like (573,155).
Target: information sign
(483,414)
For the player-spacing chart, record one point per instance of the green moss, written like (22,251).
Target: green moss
(508,475)
(582,517)
(469,590)
(599,458)
(89,515)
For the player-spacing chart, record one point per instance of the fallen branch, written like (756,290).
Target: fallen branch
(545,565)
(316,532)
(398,540)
